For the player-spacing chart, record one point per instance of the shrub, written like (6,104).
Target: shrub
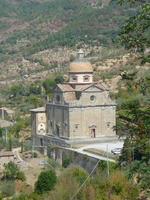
(114,187)
(32,196)
(12,172)
(78,173)
(66,162)
(46,181)
(64,189)
(7,188)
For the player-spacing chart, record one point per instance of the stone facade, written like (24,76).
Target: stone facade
(80,112)
(92,115)
(38,118)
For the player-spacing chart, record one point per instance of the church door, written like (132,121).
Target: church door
(93,132)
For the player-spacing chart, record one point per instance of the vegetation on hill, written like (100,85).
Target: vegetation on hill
(32,26)
(130,178)
(134,109)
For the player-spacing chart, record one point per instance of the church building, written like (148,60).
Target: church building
(81,111)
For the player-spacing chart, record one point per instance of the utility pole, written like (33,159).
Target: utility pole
(107,161)
(6,135)
(3,115)
(32,145)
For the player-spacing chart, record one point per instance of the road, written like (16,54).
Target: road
(104,147)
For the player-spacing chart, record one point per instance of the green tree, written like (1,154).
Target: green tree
(1,132)
(16,90)
(141,171)
(49,85)
(46,181)
(35,100)
(127,152)
(135,32)
(35,89)
(59,79)
(136,124)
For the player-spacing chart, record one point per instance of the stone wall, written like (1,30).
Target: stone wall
(58,120)
(73,158)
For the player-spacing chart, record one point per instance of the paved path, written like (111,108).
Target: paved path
(104,147)
(16,153)
(19,161)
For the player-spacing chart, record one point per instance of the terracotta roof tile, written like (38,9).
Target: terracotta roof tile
(65,87)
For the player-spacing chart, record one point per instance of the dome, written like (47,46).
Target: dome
(80,67)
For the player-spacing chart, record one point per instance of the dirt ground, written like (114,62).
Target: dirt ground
(33,169)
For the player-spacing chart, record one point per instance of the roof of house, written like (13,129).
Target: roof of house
(70,92)
(65,87)
(101,86)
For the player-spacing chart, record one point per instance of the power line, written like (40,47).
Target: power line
(85,181)
(96,167)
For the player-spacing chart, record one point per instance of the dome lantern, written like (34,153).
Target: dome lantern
(80,54)
(80,71)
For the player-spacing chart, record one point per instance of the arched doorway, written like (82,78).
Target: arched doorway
(93,131)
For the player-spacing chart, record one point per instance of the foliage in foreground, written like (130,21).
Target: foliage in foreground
(99,187)
(12,172)
(7,188)
(46,181)
(135,32)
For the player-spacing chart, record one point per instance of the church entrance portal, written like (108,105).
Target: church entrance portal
(93,133)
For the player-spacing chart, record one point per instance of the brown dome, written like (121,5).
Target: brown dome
(80,67)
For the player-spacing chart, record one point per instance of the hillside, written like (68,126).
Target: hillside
(30,26)
(29,21)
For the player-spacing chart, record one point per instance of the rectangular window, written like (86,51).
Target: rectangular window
(76,126)
(74,78)
(86,78)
